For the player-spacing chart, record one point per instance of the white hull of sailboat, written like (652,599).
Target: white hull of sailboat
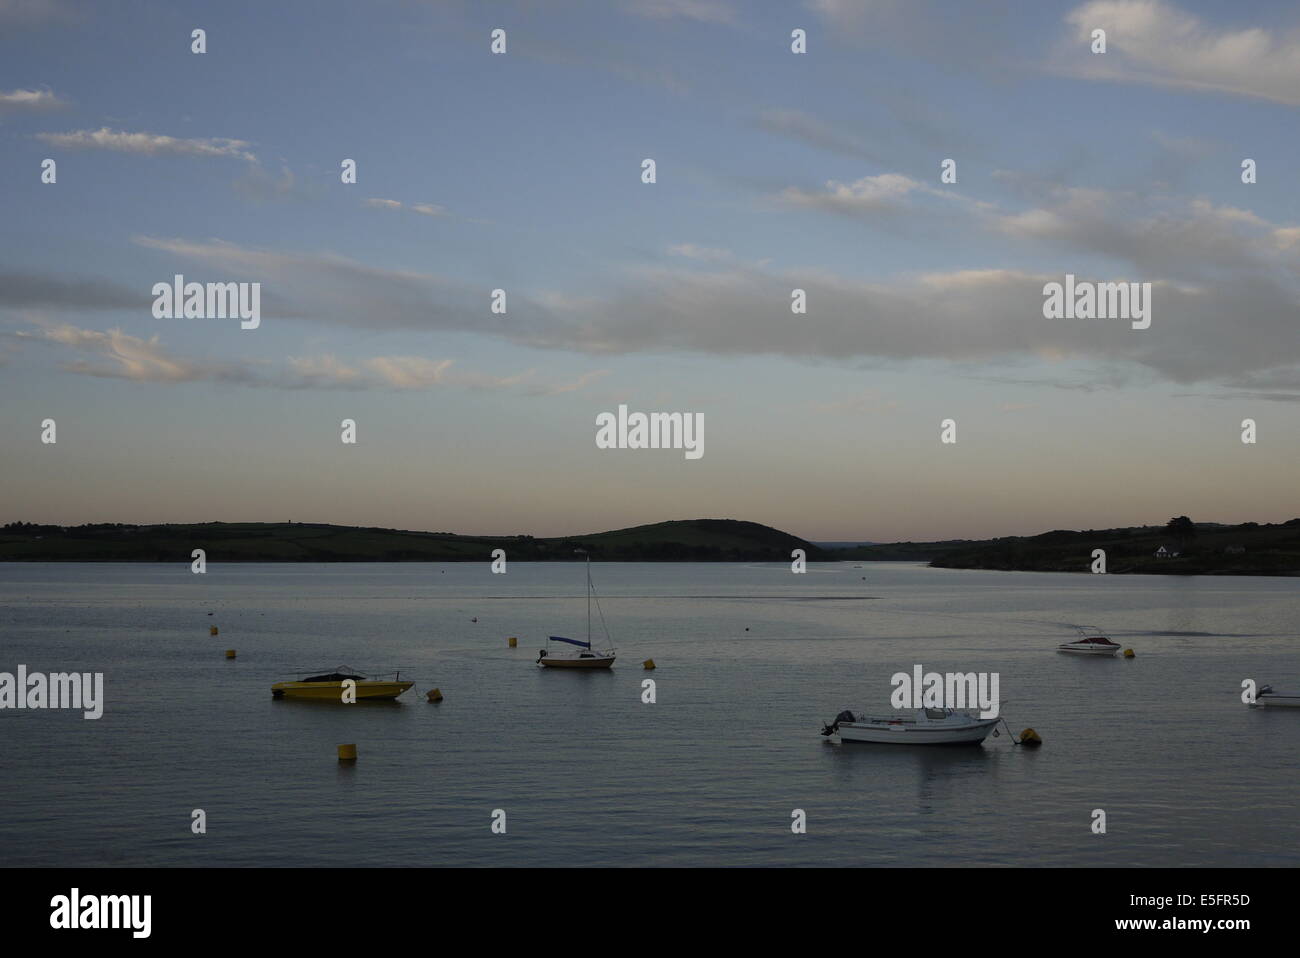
(911,735)
(583,661)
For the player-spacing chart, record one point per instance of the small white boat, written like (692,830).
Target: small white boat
(1087,644)
(1267,698)
(581,658)
(584,656)
(912,727)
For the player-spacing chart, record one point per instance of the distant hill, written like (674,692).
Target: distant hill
(1209,548)
(689,540)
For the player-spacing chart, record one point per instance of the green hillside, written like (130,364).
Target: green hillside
(692,540)
(1203,549)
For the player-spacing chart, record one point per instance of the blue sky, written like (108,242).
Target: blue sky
(774,170)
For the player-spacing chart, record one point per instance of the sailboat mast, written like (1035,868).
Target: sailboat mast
(588,600)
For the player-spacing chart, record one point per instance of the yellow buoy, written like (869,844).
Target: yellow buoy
(1128,653)
(514,641)
(347,753)
(230,653)
(212,630)
(1031,738)
(648,663)
(435,695)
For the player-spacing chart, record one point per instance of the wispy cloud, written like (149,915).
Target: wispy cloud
(884,193)
(23,290)
(424,209)
(114,354)
(1205,262)
(30,101)
(812,131)
(1154,42)
(147,144)
(118,355)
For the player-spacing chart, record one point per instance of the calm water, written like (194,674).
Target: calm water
(752,659)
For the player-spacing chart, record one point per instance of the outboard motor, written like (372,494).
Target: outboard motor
(541,654)
(845,716)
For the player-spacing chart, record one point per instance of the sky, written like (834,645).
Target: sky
(774,171)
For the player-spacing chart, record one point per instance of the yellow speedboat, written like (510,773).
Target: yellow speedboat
(340,687)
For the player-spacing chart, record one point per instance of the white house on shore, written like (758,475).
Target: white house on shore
(1164,553)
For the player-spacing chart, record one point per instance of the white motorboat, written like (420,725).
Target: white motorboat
(912,727)
(1090,644)
(1267,698)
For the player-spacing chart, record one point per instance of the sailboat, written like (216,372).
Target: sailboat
(583,656)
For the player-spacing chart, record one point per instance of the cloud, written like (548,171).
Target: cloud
(1225,328)
(147,144)
(810,130)
(117,355)
(1223,279)
(323,371)
(1159,235)
(947,34)
(38,290)
(424,209)
(576,385)
(885,193)
(708,254)
(30,101)
(1150,41)
(261,187)
(340,291)
(409,372)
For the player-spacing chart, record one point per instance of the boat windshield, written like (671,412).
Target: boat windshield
(333,677)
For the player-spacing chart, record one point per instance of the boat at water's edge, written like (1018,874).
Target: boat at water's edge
(924,726)
(583,656)
(330,687)
(1089,645)
(1267,698)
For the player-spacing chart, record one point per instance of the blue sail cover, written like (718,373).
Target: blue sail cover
(560,638)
